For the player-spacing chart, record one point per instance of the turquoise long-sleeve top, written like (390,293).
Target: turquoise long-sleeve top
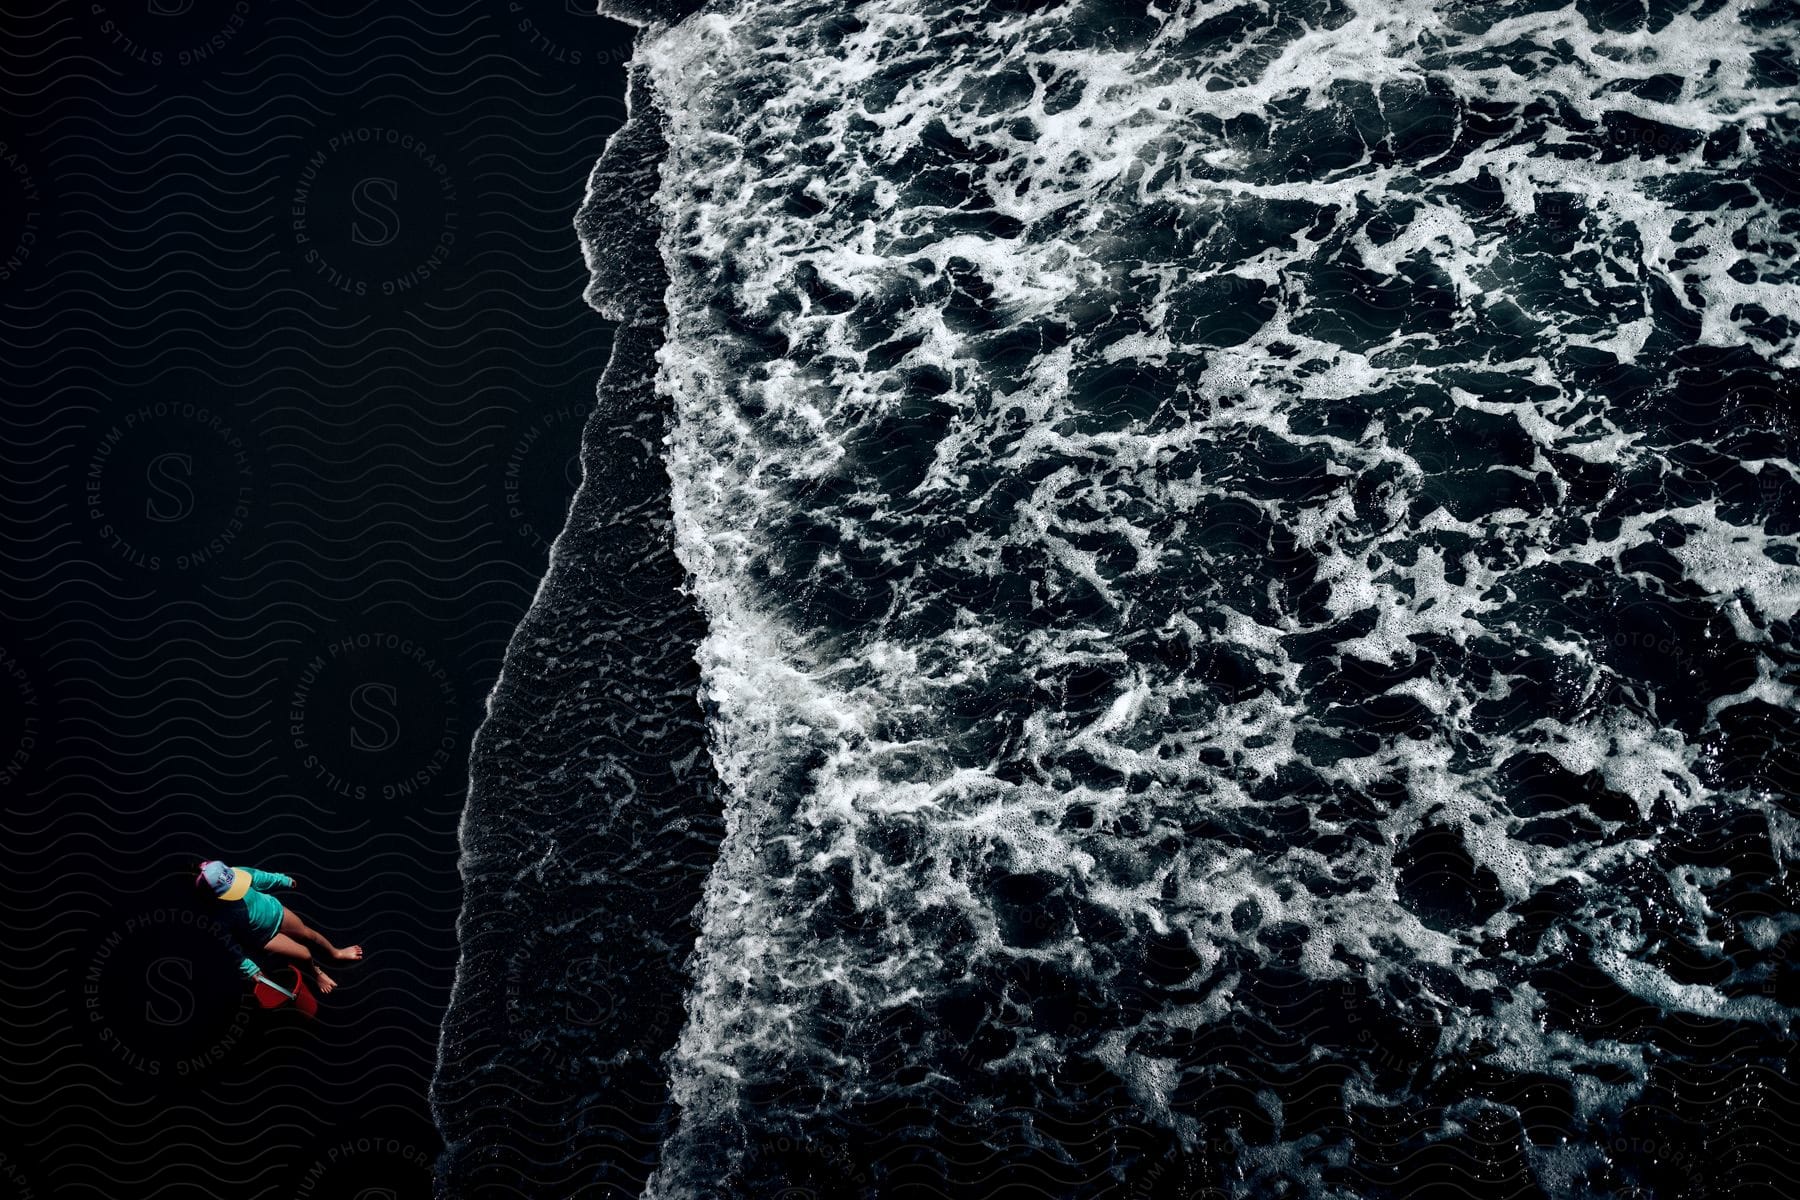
(257,917)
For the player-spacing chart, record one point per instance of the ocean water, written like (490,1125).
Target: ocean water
(1248,556)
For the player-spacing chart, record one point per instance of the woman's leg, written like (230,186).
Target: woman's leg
(293,927)
(288,948)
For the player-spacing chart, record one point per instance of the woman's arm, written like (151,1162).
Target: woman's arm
(268,881)
(246,965)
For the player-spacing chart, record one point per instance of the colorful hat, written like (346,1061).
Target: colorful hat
(227,883)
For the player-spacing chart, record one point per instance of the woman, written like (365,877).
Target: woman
(256,918)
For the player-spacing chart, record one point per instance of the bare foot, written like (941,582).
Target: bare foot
(326,982)
(348,954)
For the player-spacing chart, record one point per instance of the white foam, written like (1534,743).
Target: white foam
(839,738)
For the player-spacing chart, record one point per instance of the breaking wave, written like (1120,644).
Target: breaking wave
(1250,564)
